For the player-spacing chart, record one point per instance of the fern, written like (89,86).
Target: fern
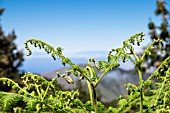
(160,95)
(8,100)
(41,95)
(38,95)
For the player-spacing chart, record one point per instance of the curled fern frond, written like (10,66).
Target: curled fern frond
(56,53)
(115,55)
(67,77)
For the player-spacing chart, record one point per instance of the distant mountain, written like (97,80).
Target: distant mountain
(111,86)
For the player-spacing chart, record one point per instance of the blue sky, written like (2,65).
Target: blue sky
(77,25)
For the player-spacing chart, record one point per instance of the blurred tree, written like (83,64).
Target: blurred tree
(1,11)
(161,50)
(10,58)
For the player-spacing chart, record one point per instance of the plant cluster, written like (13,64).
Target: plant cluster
(41,95)
(150,96)
(89,73)
(38,95)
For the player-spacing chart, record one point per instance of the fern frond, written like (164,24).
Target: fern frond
(8,101)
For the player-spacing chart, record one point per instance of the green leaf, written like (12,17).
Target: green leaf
(103,65)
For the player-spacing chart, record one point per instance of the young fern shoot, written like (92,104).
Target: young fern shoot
(89,72)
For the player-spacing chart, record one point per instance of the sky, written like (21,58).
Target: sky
(78,26)
(84,28)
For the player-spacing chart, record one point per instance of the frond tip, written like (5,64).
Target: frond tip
(42,45)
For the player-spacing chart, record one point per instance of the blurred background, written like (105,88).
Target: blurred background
(84,28)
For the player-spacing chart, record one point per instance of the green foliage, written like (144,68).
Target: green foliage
(160,101)
(136,97)
(150,96)
(8,100)
(115,55)
(41,95)
(38,94)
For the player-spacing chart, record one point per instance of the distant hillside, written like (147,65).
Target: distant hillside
(111,86)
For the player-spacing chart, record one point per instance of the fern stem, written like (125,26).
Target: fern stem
(140,81)
(141,91)
(140,61)
(94,98)
(16,84)
(49,106)
(90,91)
(46,92)
(39,94)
